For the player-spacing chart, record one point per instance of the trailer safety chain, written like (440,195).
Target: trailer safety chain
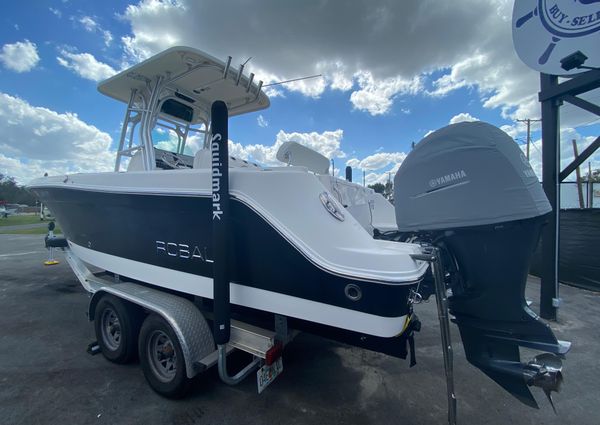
(441,297)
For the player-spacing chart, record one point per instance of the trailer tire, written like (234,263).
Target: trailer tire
(117,325)
(161,358)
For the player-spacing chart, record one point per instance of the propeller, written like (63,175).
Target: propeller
(545,371)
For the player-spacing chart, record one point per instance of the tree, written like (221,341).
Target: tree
(387,189)
(595,176)
(377,187)
(12,193)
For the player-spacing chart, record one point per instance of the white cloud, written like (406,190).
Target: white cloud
(107,36)
(327,143)
(381,160)
(91,25)
(37,140)
(353,162)
(379,166)
(262,122)
(336,75)
(55,12)
(368,48)
(383,178)
(462,117)
(378,51)
(88,23)
(511,130)
(376,97)
(21,56)
(85,65)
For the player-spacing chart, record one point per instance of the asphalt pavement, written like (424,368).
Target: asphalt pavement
(47,377)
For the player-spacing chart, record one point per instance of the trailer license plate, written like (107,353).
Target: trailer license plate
(267,374)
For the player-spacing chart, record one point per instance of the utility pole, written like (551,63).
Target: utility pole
(528,121)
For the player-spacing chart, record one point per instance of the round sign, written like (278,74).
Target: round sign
(546,31)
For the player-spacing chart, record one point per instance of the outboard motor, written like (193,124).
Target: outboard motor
(469,190)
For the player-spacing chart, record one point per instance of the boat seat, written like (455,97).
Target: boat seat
(136,163)
(165,160)
(203,158)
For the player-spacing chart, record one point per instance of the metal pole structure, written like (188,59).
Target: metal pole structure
(550,181)
(441,297)
(590,187)
(220,221)
(578,175)
(551,96)
(528,136)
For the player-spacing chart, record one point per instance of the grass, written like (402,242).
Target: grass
(16,220)
(35,231)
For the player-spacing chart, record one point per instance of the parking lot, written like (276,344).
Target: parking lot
(48,378)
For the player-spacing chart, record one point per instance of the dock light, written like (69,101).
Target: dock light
(572,61)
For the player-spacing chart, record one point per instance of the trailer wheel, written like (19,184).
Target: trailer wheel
(162,359)
(117,326)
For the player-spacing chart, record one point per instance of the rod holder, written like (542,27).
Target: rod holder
(250,82)
(260,84)
(239,76)
(226,70)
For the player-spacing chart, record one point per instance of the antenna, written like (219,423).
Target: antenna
(292,80)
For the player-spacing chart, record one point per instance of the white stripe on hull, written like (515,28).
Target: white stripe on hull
(247,296)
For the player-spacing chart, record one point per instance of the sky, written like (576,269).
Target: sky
(391,73)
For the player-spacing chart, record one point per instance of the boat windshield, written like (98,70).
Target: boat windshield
(170,130)
(168,135)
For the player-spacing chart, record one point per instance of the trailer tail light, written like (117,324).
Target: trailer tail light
(273,353)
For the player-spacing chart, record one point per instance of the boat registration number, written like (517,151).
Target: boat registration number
(267,374)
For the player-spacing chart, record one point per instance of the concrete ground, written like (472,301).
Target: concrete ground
(46,377)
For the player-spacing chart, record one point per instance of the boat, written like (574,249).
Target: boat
(333,257)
